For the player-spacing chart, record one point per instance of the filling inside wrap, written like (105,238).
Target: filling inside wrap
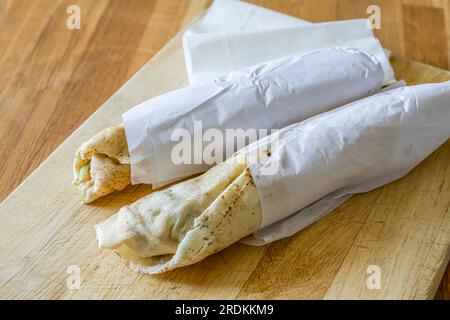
(102,164)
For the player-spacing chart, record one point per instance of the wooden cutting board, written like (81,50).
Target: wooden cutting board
(403,229)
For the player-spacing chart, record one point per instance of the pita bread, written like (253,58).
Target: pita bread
(187,222)
(102,164)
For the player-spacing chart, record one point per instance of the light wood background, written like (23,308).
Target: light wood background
(53,78)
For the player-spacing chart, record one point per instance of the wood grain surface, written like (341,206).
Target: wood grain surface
(54,78)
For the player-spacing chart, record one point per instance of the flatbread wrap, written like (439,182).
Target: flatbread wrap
(187,222)
(102,164)
(353,149)
(266,96)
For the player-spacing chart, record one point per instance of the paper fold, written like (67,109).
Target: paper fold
(233,35)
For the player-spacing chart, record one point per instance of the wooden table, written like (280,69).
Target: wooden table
(53,78)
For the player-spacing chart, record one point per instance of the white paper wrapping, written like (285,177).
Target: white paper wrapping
(233,35)
(349,150)
(271,95)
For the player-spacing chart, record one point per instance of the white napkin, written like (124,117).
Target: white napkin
(349,150)
(267,96)
(235,34)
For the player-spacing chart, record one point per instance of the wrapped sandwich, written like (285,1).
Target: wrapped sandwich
(186,222)
(102,164)
(352,149)
(267,96)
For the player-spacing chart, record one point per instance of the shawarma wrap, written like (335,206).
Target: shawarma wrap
(102,164)
(253,100)
(187,222)
(353,149)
